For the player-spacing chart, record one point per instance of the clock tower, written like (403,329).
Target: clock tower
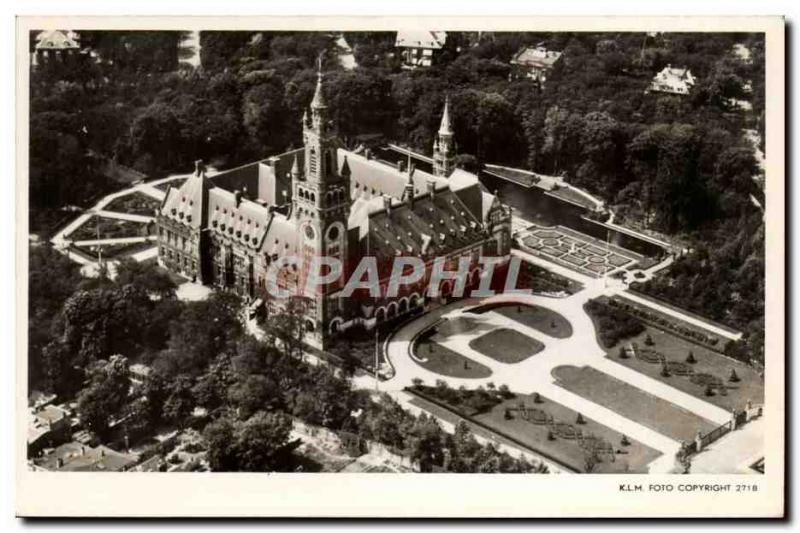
(321,207)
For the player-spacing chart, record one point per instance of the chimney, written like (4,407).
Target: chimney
(368,154)
(401,166)
(431,188)
(83,450)
(237,197)
(199,168)
(387,204)
(59,462)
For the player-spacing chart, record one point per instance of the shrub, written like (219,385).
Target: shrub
(579,419)
(690,359)
(613,323)
(550,435)
(709,390)
(664,371)
(507,414)
(734,377)
(537,398)
(648,340)
(623,354)
(624,441)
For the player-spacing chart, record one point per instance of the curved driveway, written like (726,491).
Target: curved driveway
(535,373)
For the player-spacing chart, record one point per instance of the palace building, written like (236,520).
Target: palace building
(323,200)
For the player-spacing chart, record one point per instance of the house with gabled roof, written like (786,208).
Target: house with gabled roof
(420,48)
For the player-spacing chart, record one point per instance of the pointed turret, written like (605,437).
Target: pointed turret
(345,172)
(443,150)
(296,173)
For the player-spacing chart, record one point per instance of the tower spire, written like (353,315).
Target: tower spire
(445,127)
(319,100)
(443,149)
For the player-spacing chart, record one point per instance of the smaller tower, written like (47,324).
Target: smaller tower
(444,156)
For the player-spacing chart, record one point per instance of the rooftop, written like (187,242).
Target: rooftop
(434,40)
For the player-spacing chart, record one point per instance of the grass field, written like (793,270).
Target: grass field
(632,402)
(749,387)
(437,358)
(539,318)
(506,345)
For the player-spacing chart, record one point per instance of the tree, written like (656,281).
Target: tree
(105,395)
(259,444)
(222,450)
(146,276)
(211,388)
(155,390)
(180,403)
(253,393)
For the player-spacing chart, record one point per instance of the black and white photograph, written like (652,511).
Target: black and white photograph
(403,252)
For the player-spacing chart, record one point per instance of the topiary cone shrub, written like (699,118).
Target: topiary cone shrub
(579,419)
(624,441)
(690,359)
(648,340)
(734,377)
(622,353)
(709,391)
(550,435)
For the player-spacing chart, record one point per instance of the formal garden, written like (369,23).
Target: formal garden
(631,402)
(691,368)
(136,203)
(539,424)
(506,345)
(99,227)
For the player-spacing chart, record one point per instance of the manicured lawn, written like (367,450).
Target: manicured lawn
(135,203)
(634,457)
(749,387)
(506,345)
(632,402)
(437,358)
(539,318)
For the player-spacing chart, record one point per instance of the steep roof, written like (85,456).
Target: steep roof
(434,40)
(428,226)
(239,219)
(185,204)
(371,177)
